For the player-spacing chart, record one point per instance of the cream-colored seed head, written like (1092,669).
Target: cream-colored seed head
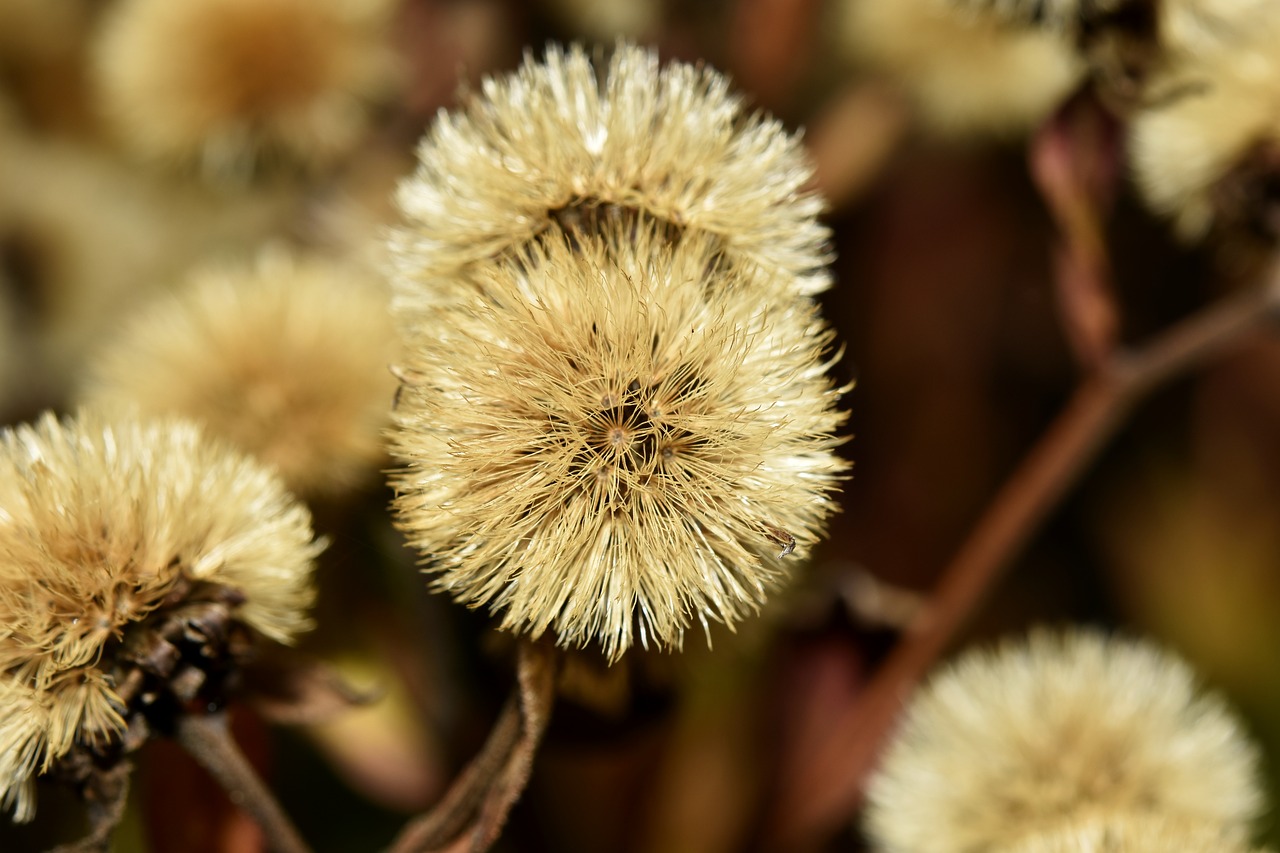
(614,437)
(288,359)
(1182,149)
(673,143)
(1182,28)
(99,522)
(228,84)
(1059,731)
(1134,834)
(966,74)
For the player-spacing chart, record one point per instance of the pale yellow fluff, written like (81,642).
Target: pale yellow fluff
(232,85)
(288,358)
(567,131)
(1059,731)
(965,74)
(614,437)
(1226,106)
(1134,834)
(99,520)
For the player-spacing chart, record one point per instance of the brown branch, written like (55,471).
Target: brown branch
(812,807)
(107,794)
(207,738)
(473,811)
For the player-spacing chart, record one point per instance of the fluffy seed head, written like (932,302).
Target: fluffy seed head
(966,74)
(614,436)
(99,523)
(1057,732)
(227,84)
(1209,156)
(287,359)
(673,143)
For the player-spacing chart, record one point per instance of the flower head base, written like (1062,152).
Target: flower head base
(287,360)
(673,144)
(106,527)
(1055,734)
(615,435)
(230,84)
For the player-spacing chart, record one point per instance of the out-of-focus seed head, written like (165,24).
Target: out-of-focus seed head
(1060,731)
(231,85)
(288,359)
(966,74)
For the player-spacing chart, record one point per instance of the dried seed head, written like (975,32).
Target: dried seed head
(287,359)
(1057,732)
(1210,157)
(228,84)
(673,144)
(105,525)
(966,74)
(1131,43)
(611,437)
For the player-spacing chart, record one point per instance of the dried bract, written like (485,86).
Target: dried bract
(230,84)
(611,437)
(287,359)
(106,528)
(1057,732)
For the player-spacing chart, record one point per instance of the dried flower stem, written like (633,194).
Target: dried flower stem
(207,737)
(813,806)
(106,800)
(473,811)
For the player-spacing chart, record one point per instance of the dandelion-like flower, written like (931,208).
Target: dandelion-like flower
(563,138)
(1131,42)
(228,84)
(966,74)
(288,359)
(614,436)
(130,554)
(1058,732)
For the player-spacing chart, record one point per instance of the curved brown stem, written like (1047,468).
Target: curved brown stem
(107,796)
(812,807)
(473,811)
(208,739)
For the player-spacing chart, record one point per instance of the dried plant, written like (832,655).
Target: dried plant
(1206,158)
(135,559)
(613,438)
(1060,731)
(965,75)
(232,85)
(563,136)
(287,358)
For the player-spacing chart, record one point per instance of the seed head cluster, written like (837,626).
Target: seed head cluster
(1063,736)
(615,419)
(104,525)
